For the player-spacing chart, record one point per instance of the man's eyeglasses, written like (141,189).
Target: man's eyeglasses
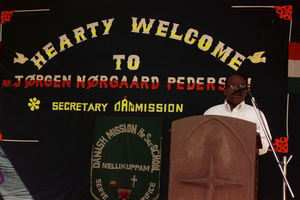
(237,86)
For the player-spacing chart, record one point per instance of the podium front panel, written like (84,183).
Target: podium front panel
(212,158)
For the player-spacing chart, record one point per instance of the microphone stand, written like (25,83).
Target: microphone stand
(265,130)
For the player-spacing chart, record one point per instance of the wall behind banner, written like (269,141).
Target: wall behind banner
(62,68)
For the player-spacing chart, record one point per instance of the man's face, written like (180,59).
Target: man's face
(233,96)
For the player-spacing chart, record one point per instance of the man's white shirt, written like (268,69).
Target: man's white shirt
(245,112)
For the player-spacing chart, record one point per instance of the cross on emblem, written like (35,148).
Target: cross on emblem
(133,179)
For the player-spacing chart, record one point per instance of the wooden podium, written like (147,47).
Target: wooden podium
(213,158)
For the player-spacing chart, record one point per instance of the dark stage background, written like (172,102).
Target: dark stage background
(58,165)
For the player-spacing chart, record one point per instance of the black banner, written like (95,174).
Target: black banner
(65,65)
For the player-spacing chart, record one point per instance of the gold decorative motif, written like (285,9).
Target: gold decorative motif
(257,57)
(20,59)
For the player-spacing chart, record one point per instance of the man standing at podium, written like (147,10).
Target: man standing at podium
(236,91)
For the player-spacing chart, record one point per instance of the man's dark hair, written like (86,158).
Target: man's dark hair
(235,74)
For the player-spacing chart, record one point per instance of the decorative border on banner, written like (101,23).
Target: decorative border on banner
(285,12)
(10,140)
(5,17)
(281,145)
